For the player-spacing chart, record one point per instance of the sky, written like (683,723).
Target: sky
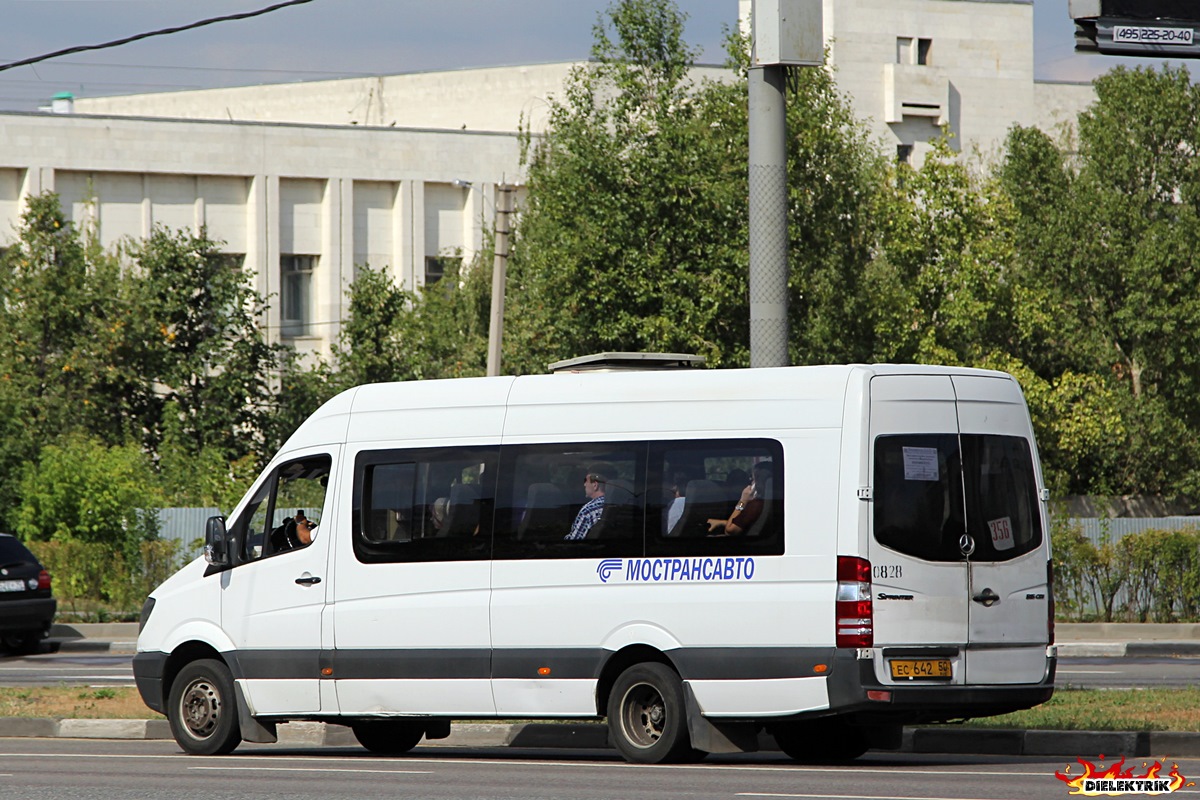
(349,38)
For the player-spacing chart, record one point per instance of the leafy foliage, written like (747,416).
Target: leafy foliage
(81,490)
(141,377)
(1108,282)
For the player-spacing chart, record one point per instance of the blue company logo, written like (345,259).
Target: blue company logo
(607,567)
(655,570)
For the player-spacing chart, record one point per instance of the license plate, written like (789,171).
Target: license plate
(12,586)
(931,669)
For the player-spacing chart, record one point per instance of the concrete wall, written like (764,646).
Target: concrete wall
(977,79)
(384,196)
(493,99)
(392,170)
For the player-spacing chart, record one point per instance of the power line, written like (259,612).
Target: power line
(193,68)
(161,32)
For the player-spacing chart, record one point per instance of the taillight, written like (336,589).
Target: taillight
(854,619)
(1050,602)
(43,580)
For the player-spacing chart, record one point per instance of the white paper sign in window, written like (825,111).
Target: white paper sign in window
(921,464)
(1002,533)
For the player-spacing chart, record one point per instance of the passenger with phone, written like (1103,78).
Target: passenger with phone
(749,506)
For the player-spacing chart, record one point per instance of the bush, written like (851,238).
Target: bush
(1151,576)
(79,490)
(87,576)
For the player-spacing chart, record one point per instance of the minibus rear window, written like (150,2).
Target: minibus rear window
(930,489)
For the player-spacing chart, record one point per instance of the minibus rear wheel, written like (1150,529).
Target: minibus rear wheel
(389,737)
(647,716)
(820,741)
(202,709)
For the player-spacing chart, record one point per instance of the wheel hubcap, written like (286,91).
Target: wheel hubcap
(645,715)
(201,708)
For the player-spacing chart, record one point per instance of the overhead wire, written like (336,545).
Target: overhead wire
(161,32)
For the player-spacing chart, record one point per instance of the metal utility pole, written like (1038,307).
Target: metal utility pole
(783,33)
(499,276)
(768,218)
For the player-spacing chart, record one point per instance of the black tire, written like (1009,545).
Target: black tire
(22,644)
(820,741)
(391,737)
(202,709)
(647,716)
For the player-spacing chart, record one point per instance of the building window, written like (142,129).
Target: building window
(438,267)
(231,262)
(296,273)
(904,153)
(913,51)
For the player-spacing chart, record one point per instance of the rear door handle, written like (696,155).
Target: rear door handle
(308,581)
(987,597)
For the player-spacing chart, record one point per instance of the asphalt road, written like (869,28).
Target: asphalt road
(67,669)
(67,769)
(115,669)
(1129,672)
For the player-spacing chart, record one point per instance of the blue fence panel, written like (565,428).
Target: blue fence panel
(1097,530)
(186,526)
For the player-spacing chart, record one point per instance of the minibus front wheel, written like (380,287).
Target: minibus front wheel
(647,716)
(202,709)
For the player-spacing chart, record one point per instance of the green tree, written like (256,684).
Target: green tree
(630,236)
(395,335)
(57,334)
(945,296)
(156,345)
(633,235)
(1105,286)
(1139,194)
(82,490)
(195,338)
(838,191)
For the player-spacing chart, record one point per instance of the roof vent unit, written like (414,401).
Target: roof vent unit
(62,103)
(627,362)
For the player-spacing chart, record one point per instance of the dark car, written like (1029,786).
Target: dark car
(26,604)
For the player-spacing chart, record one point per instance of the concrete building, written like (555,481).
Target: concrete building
(304,181)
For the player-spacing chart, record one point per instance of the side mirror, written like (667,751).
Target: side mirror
(216,542)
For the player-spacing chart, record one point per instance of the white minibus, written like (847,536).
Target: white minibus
(822,553)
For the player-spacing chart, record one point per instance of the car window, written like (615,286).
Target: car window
(13,552)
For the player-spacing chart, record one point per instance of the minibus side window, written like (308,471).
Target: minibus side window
(574,500)
(295,492)
(432,504)
(716,497)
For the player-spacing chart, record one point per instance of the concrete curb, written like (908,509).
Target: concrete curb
(1093,649)
(594,736)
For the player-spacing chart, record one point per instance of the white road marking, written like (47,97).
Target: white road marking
(322,769)
(854,796)
(860,769)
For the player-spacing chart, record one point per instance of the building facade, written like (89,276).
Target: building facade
(302,182)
